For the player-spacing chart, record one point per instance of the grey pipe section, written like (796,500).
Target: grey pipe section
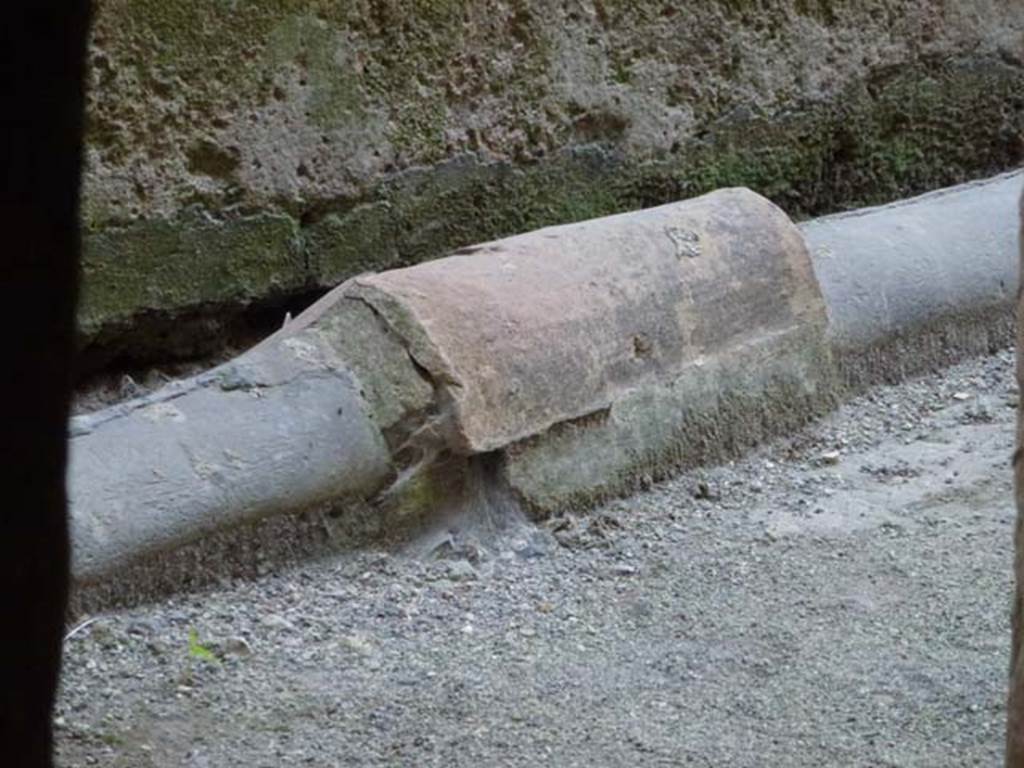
(891,270)
(278,429)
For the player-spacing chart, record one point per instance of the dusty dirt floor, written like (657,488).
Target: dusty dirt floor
(836,598)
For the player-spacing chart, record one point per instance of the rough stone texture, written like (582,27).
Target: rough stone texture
(909,287)
(554,325)
(711,410)
(245,151)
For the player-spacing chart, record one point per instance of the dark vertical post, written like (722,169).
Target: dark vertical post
(42,61)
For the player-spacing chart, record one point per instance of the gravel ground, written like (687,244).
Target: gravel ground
(837,598)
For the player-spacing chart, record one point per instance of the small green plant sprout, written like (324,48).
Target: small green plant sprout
(197,650)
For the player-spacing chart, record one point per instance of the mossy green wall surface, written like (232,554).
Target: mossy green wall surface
(245,151)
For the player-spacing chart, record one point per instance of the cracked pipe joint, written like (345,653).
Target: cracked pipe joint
(483,351)
(547,327)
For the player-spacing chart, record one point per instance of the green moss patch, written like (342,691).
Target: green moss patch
(174,266)
(899,133)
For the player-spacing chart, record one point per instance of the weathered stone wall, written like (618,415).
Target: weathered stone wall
(242,150)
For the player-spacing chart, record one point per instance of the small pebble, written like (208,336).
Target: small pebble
(831,457)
